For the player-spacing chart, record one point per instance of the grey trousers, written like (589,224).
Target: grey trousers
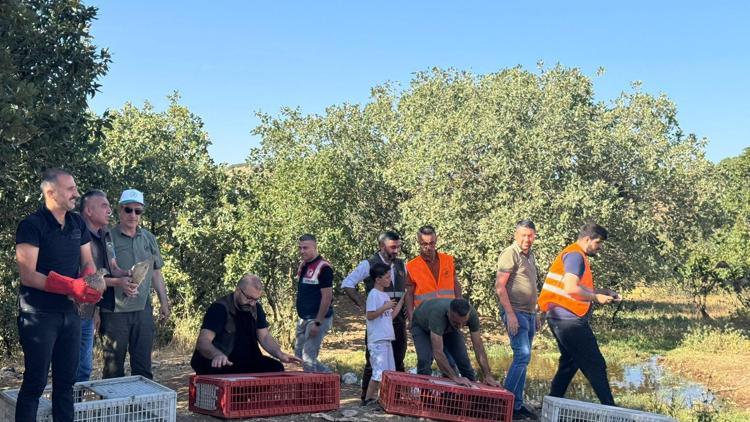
(127,332)
(307,348)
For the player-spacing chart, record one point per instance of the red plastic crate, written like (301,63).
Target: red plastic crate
(269,394)
(441,398)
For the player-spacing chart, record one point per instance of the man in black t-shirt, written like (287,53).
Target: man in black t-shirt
(314,309)
(232,329)
(54,254)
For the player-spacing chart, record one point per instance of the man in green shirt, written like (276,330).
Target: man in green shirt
(127,323)
(437,324)
(516,288)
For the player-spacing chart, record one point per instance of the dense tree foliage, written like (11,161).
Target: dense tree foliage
(470,154)
(48,67)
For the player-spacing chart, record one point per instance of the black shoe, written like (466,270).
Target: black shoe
(523,413)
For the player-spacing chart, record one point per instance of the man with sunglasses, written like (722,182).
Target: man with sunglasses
(127,323)
(232,329)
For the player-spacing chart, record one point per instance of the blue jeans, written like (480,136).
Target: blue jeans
(48,338)
(521,345)
(86,355)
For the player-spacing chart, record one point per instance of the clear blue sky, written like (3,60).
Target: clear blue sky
(229,59)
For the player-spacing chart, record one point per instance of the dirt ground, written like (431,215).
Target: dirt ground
(348,336)
(721,376)
(171,368)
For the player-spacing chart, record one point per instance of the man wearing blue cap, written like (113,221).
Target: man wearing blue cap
(127,323)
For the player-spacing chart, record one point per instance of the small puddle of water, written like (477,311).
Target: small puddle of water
(647,377)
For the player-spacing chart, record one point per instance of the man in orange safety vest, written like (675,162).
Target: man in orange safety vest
(431,274)
(567,295)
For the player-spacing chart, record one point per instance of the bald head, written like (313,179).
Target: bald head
(248,292)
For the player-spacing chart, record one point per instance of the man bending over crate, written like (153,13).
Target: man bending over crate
(232,328)
(437,325)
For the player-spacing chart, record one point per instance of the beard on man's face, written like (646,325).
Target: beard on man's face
(244,308)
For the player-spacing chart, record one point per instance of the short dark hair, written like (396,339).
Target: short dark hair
(525,223)
(426,230)
(86,196)
(378,270)
(50,175)
(388,235)
(593,230)
(460,307)
(307,236)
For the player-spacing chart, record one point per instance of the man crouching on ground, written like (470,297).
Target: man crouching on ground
(232,328)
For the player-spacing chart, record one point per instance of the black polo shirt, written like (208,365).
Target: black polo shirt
(59,251)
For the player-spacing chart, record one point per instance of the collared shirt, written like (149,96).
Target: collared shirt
(362,271)
(522,283)
(128,252)
(101,252)
(102,248)
(59,251)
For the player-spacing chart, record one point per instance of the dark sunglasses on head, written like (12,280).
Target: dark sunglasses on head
(137,211)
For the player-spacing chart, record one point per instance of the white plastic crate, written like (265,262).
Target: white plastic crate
(556,409)
(127,399)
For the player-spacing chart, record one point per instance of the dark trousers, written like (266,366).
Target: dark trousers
(127,332)
(259,365)
(399,352)
(579,350)
(48,338)
(454,347)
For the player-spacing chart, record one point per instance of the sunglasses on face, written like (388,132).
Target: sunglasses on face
(137,211)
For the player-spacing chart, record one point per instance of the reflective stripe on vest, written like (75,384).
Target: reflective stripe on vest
(312,273)
(425,286)
(553,290)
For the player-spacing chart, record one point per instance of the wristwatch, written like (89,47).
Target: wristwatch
(317,323)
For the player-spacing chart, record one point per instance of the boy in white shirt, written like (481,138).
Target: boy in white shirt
(380,311)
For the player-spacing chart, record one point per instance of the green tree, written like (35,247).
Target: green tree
(473,154)
(734,237)
(311,174)
(165,155)
(49,67)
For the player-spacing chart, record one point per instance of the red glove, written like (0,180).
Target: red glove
(74,287)
(87,271)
